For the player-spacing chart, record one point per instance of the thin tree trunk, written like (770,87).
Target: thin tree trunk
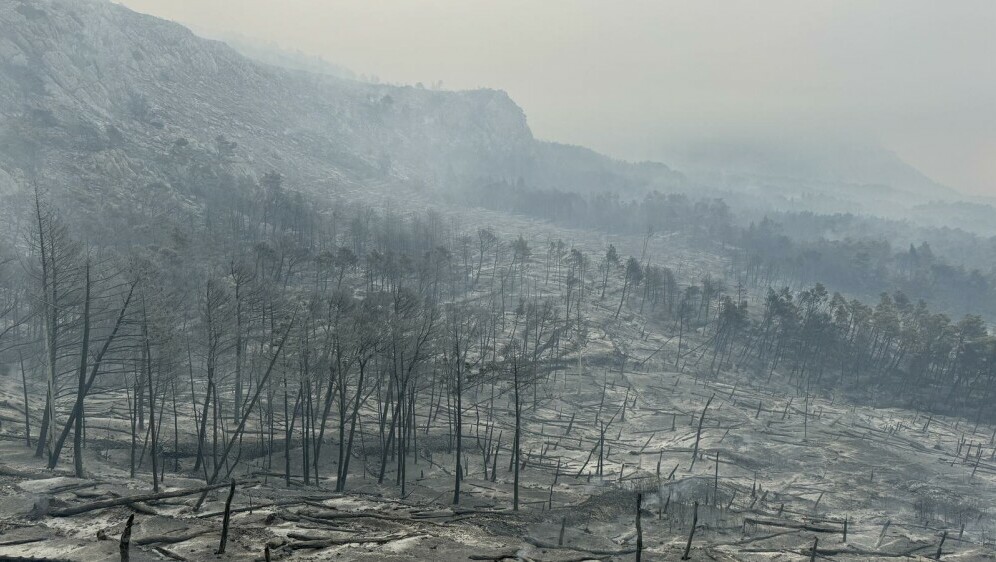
(344,467)
(458,476)
(70,423)
(516,442)
(152,411)
(27,408)
(81,390)
(245,416)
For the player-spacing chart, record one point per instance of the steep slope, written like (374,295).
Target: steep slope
(100,100)
(74,70)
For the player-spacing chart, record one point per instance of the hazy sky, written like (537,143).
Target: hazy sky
(632,78)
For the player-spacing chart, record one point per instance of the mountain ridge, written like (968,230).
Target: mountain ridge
(98,99)
(95,94)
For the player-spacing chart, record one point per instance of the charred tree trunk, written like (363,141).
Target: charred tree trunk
(81,389)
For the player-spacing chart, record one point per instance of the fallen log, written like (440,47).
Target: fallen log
(169,554)
(34,559)
(439,514)
(325,543)
(836,552)
(326,523)
(789,525)
(259,506)
(333,515)
(298,536)
(755,539)
(169,539)
(104,504)
(18,542)
(495,557)
(542,544)
(139,508)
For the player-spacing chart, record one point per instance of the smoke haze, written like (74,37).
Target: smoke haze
(642,80)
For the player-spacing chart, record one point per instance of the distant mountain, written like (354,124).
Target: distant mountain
(108,107)
(817,175)
(978,217)
(98,100)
